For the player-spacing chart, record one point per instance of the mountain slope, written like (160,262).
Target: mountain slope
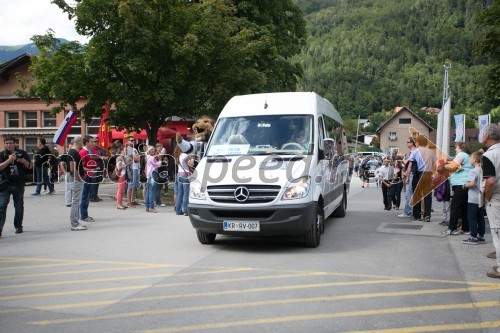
(371,55)
(10,52)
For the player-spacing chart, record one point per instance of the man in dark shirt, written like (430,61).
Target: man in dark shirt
(76,176)
(42,168)
(13,165)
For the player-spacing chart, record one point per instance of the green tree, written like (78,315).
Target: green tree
(153,59)
(489,45)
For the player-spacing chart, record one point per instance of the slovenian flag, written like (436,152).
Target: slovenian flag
(63,131)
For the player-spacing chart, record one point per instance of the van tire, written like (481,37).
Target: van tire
(205,238)
(313,236)
(341,209)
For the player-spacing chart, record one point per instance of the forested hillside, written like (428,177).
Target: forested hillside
(372,55)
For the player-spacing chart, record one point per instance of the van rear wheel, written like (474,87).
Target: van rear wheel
(313,236)
(205,238)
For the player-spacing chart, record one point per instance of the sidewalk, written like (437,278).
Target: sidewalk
(48,213)
(471,259)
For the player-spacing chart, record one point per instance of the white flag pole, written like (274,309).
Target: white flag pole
(444,145)
(446,127)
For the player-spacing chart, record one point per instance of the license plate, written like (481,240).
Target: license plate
(241,226)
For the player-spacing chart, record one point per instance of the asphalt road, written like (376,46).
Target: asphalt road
(133,271)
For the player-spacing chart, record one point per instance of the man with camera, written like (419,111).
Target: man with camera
(13,165)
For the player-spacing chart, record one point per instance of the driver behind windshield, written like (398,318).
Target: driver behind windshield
(297,133)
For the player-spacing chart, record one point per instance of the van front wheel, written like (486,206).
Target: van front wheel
(313,236)
(205,238)
(341,209)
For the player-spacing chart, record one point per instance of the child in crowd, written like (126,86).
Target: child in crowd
(442,192)
(474,212)
(377,175)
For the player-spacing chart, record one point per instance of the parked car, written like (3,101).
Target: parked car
(372,164)
(371,153)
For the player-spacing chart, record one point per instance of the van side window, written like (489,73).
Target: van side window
(335,131)
(321,133)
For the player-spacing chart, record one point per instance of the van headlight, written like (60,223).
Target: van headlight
(299,188)
(196,191)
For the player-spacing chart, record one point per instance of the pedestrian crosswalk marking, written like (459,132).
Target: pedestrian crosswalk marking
(319,316)
(260,303)
(437,328)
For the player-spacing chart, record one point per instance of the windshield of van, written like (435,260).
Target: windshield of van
(263,135)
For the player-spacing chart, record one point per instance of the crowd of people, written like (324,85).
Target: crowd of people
(131,168)
(85,165)
(467,187)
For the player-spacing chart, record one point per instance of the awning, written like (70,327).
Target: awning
(26,131)
(164,132)
(121,134)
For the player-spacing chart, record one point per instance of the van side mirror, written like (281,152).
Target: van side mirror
(329,148)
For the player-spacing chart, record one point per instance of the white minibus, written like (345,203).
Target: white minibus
(274,166)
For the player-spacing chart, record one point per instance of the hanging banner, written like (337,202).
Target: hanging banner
(483,120)
(64,128)
(459,128)
(104,130)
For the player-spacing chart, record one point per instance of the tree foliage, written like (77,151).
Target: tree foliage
(367,56)
(489,45)
(154,59)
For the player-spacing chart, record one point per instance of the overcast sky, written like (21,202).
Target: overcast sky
(21,19)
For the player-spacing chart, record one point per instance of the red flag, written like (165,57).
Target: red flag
(104,130)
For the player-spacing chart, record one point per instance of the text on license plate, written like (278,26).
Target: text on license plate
(241,226)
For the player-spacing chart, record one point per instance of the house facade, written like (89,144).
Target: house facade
(31,119)
(394,132)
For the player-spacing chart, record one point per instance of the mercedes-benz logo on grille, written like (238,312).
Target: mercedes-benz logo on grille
(241,194)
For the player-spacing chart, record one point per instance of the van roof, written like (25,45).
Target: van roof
(280,103)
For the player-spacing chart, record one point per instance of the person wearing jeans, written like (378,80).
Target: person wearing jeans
(185,163)
(75,174)
(408,212)
(182,194)
(474,212)
(152,163)
(88,165)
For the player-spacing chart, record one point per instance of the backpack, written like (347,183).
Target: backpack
(440,192)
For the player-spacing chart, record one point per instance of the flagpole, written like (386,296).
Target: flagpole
(445,138)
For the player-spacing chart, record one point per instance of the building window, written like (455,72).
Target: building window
(48,119)
(30,119)
(12,119)
(405,120)
(30,145)
(392,136)
(93,127)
